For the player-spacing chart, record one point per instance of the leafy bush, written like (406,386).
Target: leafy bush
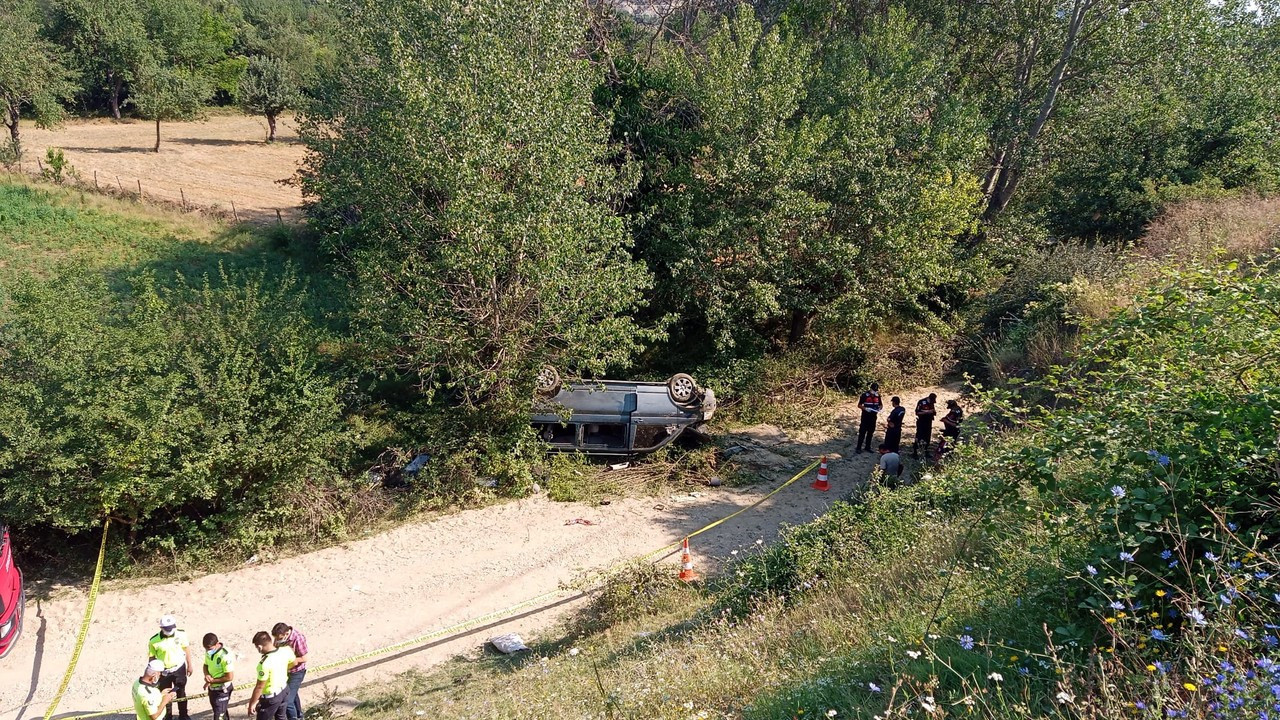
(196,412)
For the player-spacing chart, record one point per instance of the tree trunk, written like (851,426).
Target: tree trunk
(1006,181)
(11,122)
(271,127)
(157,147)
(800,322)
(117,87)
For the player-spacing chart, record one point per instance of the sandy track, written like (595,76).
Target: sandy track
(214,162)
(406,582)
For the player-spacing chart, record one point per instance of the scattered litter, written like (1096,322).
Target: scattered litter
(508,644)
(714,482)
(573,651)
(418,462)
(605,502)
(659,507)
(490,483)
(578,521)
(695,494)
(734,450)
(620,466)
(252,560)
(536,489)
(356,588)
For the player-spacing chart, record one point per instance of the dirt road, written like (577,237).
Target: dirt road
(212,163)
(380,590)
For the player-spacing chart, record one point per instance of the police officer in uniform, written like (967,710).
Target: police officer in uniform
(149,701)
(267,700)
(871,405)
(893,426)
(171,648)
(951,422)
(219,675)
(926,411)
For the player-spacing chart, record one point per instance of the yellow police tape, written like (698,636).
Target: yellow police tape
(84,624)
(590,582)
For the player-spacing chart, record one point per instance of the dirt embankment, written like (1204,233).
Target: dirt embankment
(404,583)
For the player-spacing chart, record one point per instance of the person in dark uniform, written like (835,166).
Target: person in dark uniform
(926,411)
(893,426)
(951,422)
(871,405)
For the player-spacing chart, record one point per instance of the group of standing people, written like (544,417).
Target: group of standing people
(871,405)
(170,662)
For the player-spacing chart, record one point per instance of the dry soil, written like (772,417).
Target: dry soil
(214,163)
(406,582)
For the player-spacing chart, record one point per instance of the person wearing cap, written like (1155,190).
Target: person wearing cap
(870,405)
(893,426)
(150,701)
(285,635)
(926,411)
(267,699)
(219,672)
(171,648)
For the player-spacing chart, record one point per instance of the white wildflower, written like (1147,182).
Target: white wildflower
(913,654)
(995,677)
(1065,698)
(928,704)
(573,651)
(832,713)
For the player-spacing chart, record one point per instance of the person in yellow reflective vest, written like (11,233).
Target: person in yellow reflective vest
(219,672)
(149,701)
(267,700)
(171,648)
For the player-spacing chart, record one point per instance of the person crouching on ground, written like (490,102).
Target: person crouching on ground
(890,465)
(267,700)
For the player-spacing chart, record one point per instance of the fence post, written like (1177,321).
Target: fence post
(139,189)
(121,184)
(279,220)
(234,214)
(95,180)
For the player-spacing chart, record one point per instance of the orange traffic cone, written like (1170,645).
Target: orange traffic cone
(686,563)
(822,483)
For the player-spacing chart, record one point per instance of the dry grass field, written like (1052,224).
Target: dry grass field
(214,163)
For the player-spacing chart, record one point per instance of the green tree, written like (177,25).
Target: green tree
(790,186)
(164,93)
(458,163)
(107,39)
(268,89)
(33,78)
(200,401)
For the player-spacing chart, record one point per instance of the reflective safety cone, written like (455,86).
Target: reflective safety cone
(822,483)
(686,563)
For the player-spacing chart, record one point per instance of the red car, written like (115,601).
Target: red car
(12,597)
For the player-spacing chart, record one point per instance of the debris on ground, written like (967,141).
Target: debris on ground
(620,466)
(508,643)
(578,521)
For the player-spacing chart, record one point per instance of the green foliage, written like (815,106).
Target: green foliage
(459,166)
(56,167)
(268,88)
(108,41)
(169,93)
(775,202)
(202,402)
(33,76)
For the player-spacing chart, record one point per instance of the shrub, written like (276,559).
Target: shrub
(204,403)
